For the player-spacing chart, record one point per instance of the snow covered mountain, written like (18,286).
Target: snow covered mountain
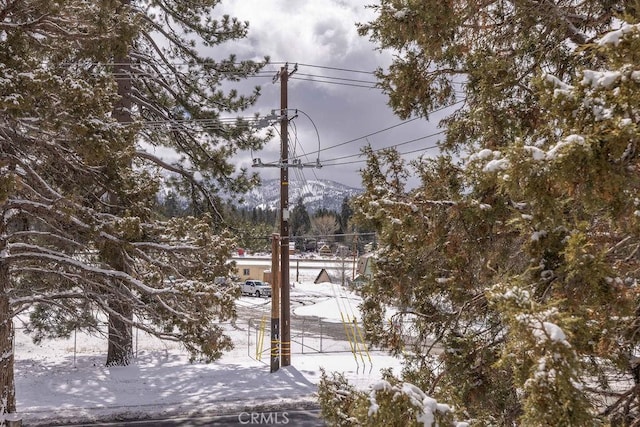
(317,194)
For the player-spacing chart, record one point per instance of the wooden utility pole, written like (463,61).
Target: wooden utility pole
(275,303)
(284,285)
(284,219)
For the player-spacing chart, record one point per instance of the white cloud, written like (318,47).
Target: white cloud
(321,33)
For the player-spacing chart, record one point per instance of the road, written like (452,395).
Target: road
(308,324)
(283,417)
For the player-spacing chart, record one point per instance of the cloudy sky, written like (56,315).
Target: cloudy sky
(321,37)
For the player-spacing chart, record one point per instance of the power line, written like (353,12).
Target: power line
(294,157)
(324,163)
(297,142)
(336,68)
(391,146)
(299,172)
(384,130)
(368,135)
(335,83)
(267,72)
(337,78)
(375,151)
(197,124)
(264,72)
(207,63)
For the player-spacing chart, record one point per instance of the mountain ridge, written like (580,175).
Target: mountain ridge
(316,193)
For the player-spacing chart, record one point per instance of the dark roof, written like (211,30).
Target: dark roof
(324,270)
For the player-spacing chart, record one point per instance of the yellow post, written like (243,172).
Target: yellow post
(364,344)
(346,331)
(275,302)
(260,341)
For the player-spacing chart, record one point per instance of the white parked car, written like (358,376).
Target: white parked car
(256,288)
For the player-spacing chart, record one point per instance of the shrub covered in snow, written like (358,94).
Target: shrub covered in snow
(389,402)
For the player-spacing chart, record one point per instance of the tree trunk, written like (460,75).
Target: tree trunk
(120,349)
(7,382)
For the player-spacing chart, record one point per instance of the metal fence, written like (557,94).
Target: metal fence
(81,343)
(309,336)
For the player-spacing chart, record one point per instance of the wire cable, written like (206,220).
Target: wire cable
(333,83)
(385,129)
(389,146)
(336,68)
(336,78)
(401,154)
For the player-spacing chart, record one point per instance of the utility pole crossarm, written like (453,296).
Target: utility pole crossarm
(283,75)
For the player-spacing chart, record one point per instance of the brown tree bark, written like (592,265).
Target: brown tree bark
(7,381)
(120,348)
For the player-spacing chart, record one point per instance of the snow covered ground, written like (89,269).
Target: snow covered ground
(65,381)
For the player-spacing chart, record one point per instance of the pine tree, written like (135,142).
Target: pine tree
(516,255)
(171,206)
(182,98)
(485,54)
(169,87)
(55,131)
(78,231)
(346,212)
(300,223)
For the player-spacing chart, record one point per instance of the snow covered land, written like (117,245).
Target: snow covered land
(65,381)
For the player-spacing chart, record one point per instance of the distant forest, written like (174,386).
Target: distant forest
(309,231)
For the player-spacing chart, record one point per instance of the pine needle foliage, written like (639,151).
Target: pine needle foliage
(512,266)
(79,239)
